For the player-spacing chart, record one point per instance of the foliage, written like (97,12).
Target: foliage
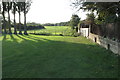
(49,24)
(63,23)
(107,20)
(33,24)
(74,21)
(97,21)
(57,24)
(90,18)
(104,10)
(30,26)
(74,33)
(14,6)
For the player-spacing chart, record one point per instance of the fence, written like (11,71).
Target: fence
(109,30)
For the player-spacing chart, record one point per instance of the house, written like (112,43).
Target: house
(83,29)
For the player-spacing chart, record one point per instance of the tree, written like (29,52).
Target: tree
(26,7)
(15,6)
(4,8)
(19,9)
(74,21)
(104,10)
(9,7)
(90,18)
(14,9)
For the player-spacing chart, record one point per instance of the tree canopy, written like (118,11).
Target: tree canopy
(14,7)
(74,20)
(107,12)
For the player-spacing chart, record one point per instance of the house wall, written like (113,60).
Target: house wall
(84,32)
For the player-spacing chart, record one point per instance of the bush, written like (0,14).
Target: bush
(74,33)
(30,27)
(35,27)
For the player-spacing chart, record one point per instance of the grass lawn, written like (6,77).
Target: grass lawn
(37,56)
(53,30)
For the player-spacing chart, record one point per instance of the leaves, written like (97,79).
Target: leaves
(74,20)
(104,10)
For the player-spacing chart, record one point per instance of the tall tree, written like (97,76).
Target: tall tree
(19,7)
(26,7)
(74,21)
(14,9)
(0,8)
(4,8)
(9,7)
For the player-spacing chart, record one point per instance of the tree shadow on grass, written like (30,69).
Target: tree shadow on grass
(4,38)
(35,57)
(15,40)
(21,37)
(36,38)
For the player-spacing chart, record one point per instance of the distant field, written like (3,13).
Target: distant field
(54,30)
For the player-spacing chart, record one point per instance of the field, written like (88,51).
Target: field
(41,56)
(53,30)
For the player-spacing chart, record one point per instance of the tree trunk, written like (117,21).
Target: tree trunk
(9,25)
(4,24)
(15,29)
(14,12)
(20,31)
(25,27)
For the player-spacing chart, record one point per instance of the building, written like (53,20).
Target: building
(84,29)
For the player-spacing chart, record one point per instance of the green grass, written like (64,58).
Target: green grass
(37,56)
(53,30)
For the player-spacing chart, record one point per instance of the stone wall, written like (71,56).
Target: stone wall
(119,48)
(109,44)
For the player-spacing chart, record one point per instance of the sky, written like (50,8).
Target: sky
(51,11)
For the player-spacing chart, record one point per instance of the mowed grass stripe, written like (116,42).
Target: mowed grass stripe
(35,56)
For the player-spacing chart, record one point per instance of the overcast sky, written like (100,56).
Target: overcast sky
(51,11)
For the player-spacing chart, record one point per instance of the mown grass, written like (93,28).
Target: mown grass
(37,56)
(54,30)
